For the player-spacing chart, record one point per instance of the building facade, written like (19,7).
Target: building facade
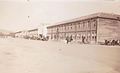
(19,34)
(27,33)
(94,28)
(32,33)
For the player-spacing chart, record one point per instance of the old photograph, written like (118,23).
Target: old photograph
(59,36)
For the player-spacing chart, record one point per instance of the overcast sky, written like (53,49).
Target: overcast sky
(18,15)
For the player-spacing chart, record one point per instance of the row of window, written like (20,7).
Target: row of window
(79,26)
(77,37)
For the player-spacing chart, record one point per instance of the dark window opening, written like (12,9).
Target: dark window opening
(79,26)
(94,25)
(92,37)
(95,37)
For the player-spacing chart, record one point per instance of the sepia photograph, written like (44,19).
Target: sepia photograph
(59,36)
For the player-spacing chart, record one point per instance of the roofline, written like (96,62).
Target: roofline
(18,32)
(91,16)
(26,30)
(32,30)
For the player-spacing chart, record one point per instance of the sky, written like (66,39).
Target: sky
(16,15)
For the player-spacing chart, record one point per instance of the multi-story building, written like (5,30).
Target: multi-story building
(94,28)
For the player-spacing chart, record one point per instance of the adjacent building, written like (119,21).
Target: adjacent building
(27,33)
(93,28)
(32,33)
(18,34)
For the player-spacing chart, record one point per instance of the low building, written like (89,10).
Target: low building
(92,28)
(18,34)
(27,33)
(32,33)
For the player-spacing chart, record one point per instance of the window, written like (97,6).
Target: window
(94,25)
(79,25)
(95,37)
(89,26)
(92,37)
(68,27)
(83,25)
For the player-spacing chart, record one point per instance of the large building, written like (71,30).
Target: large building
(95,28)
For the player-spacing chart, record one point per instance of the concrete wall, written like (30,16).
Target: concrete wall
(108,29)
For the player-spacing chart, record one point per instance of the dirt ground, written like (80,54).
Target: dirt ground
(32,56)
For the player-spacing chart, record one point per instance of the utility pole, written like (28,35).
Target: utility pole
(28,16)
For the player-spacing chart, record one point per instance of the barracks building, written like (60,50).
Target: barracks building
(94,28)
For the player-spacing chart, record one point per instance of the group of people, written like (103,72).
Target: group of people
(69,39)
(107,42)
(112,42)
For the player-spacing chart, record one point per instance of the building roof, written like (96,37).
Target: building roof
(26,31)
(18,32)
(100,14)
(32,30)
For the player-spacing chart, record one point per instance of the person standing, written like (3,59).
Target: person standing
(83,39)
(67,39)
(71,39)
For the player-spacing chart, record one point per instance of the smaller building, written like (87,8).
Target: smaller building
(32,33)
(20,34)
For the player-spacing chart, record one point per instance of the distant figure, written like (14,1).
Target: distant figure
(67,39)
(83,39)
(116,42)
(113,42)
(71,39)
(107,42)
